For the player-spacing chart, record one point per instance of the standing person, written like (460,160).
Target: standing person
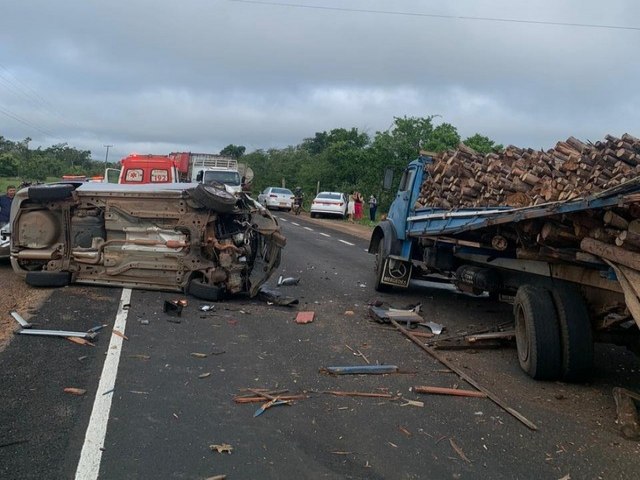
(351,207)
(358,201)
(373,206)
(5,205)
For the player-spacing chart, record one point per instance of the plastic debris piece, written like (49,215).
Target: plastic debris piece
(204,375)
(172,307)
(75,391)
(349,312)
(221,448)
(206,308)
(436,328)
(199,355)
(144,321)
(288,281)
(217,477)
(305,317)
(276,297)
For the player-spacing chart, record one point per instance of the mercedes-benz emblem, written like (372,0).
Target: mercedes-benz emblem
(398,270)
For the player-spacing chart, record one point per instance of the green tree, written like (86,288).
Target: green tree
(234,151)
(482,144)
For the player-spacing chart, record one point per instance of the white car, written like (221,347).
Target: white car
(276,197)
(329,203)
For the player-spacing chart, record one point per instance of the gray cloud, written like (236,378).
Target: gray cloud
(155,76)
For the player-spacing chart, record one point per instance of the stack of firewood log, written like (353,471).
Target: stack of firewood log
(520,177)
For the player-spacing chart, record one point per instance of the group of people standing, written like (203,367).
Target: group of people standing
(355,207)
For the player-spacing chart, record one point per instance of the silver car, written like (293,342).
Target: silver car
(195,238)
(5,241)
(277,197)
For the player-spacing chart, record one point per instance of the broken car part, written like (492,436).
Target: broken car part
(288,281)
(172,307)
(361,370)
(18,318)
(57,333)
(276,297)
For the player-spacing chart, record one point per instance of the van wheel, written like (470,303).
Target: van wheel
(379,268)
(537,333)
(576,336)
(214,197)
(48,193)
(204,291)
(48,279)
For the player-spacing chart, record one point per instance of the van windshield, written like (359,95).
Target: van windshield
(222,176)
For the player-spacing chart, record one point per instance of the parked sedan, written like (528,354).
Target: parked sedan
(195,238)
(276,197)
(329,203)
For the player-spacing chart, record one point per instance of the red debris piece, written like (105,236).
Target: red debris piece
(305,317)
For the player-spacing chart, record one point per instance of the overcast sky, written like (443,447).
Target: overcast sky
(155,76)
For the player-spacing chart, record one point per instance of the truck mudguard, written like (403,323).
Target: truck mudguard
(385,232)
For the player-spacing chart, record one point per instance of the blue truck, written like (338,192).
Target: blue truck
(564,297)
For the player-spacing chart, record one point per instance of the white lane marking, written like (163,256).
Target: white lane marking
(325,234)
(89,464)
(348,243)
(307,228)
(296,224)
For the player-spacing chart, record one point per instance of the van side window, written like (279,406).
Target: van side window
(407,179)
(159,175)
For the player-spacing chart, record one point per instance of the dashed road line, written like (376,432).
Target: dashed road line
(91,455)
(307,228)
(325,234)
(296,224)
(348,243)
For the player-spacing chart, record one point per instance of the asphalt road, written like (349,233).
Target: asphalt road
(168,406)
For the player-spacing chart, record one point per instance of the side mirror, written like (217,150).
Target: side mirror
(199,176)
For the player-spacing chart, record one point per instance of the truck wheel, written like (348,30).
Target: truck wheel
(379,268)
(575,334)
(214,196)
(537,333)
(204,291)
(48,193)
(48,279)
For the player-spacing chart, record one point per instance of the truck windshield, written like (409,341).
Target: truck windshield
(228,178)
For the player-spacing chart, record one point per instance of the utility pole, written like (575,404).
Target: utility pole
(106,157)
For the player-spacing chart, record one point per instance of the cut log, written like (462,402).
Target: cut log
(611,252)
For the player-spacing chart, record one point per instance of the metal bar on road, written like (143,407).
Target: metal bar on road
(497,400)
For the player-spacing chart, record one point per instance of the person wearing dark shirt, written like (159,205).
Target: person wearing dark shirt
(5,205)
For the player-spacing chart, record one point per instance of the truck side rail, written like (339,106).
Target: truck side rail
(433,221)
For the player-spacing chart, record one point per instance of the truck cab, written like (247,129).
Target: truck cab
(141,169)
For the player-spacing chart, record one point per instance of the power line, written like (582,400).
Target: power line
(433,15)
(25,122)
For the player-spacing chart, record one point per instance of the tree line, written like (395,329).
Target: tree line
(18,160)
(343,159)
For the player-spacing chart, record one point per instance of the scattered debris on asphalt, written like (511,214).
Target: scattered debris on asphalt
(221,448)
(463,375)
(383,315)
(247,399)
(358,353)
(120,334)
(358,394)
(206,308)
(627,413)
(506,335)
(75,391)
(80,341)
(276,297)
(288,281)
(217,477)
(404,430)
(305,317)
(271,403)
(412,403)
(361,370)
(448,391)
(172,307)
(349,313)
(458,450)
(199,355)
(204,375)
(97,328)
(435,328)
(140,357)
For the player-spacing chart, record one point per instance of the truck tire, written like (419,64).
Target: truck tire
(204,291)
(537,333)
(576,337)
(214,197)
(48,279)
(379,268)
(48,193)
